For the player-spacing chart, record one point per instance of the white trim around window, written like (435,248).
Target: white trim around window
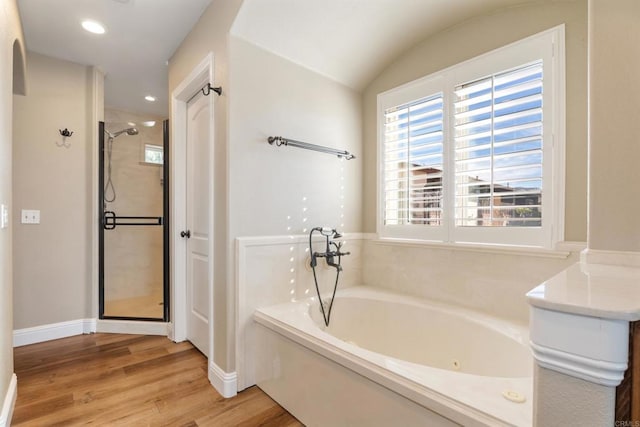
(418,195)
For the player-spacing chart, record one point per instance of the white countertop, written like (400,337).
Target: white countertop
(597,290)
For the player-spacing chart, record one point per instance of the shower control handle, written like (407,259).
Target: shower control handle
(186,234)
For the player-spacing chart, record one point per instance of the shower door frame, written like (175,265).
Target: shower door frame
(165,230)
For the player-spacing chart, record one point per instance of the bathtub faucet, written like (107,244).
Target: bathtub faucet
(329,254)
(332,250)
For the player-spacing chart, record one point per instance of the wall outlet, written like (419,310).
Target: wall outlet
(30,216)
(4,216)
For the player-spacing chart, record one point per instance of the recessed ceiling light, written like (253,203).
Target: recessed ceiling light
(93,27)
(150,98)
(131,124)
(149,124)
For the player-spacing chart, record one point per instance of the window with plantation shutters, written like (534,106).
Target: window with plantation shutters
(498,139)
(413,162)
(475,153)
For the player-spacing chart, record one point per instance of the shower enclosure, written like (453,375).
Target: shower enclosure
(133,206)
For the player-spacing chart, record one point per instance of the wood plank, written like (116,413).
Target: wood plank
(112,399)
(116,379)
(635,371)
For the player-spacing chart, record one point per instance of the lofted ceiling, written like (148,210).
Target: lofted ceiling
(349,41)
(141,37)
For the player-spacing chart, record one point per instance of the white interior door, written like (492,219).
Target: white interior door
(198,219)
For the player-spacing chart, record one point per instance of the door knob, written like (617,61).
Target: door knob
(186,234)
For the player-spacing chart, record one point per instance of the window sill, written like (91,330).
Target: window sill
(563,250)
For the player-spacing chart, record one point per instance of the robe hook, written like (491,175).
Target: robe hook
(66,132)
(210,88)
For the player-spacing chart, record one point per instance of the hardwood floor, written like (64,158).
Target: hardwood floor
(129,380)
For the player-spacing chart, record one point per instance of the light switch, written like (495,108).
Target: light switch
(30,216)
(4,216)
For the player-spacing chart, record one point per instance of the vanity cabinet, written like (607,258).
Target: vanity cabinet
(628,392)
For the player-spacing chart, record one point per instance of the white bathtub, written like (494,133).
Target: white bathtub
(392,359)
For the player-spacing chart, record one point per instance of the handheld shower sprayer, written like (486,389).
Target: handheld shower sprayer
(328,231)
(128,131)
(109,187)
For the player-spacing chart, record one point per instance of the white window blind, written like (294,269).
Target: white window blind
(413,162)
(498,149)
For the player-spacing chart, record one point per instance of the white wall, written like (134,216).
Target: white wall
(12,67)
(614,67)
(286,190)
(52,260)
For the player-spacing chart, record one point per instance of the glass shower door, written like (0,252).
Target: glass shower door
(133,220)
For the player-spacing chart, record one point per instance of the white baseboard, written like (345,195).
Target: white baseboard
(9,402)
(131,327)
(225,383)
(53,331)
(71,328)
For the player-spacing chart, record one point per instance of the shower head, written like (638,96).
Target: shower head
(128,131)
